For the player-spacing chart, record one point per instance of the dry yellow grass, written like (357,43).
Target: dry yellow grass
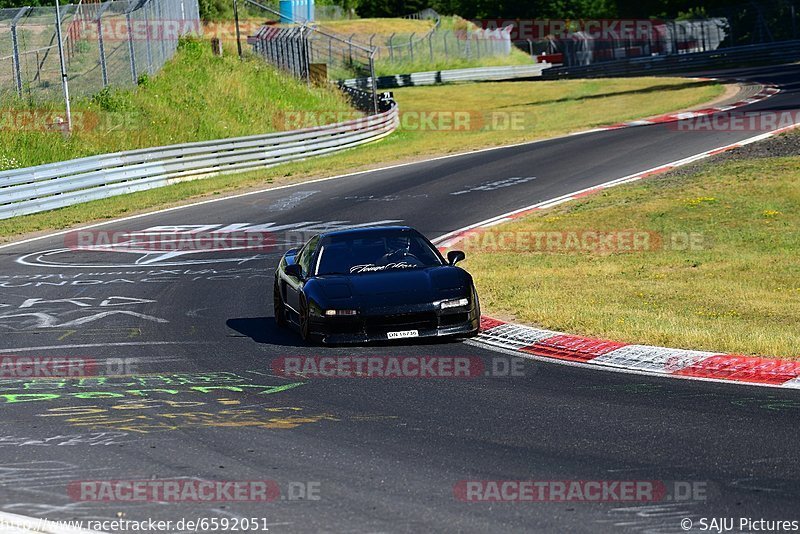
(735,290)
(381,26)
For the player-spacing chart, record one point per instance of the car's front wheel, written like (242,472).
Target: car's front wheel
(305,326)
(279,307)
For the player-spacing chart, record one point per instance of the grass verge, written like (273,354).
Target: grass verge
(546,109)
(196,97)
(716,270)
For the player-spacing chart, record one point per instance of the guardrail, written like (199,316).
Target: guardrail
(56,185)
(761,54)
(444,76)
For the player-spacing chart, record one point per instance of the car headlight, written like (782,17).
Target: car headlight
(340,313)
(453,303)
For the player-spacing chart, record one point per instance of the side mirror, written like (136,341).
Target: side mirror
(294,270)
(455,256)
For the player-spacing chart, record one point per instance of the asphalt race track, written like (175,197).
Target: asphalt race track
(194,338)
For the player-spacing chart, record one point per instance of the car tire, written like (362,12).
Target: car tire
(478,307)
(279,307)
(305,327)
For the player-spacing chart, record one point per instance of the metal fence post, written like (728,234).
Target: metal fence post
(291,56)
(444,41)
(279,49)
(131,51)
(374,82)
(430,44)
(287,49)
(100,43)
(310,53)
(703,33)
(411,46)
(350,44)
(15,64)
(238,33)
(64,81)
(148,47)
(391,48)
(297,41)
(162,25)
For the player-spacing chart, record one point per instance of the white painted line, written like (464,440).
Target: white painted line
(794,383)
(588,365)
(611,183)
(300,184)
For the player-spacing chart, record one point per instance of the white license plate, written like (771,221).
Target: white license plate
(402,334)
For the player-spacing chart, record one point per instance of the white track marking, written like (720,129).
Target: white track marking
(304,184)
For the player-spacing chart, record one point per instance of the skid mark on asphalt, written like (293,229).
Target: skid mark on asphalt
(38,482)
(770,402)
(652,519)
(291,201)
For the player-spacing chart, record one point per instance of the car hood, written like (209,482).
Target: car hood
(413,286)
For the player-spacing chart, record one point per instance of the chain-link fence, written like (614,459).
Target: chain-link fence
(309,52)
(575,43)
(446,40)
(651,38)
(112,43)
(468,44)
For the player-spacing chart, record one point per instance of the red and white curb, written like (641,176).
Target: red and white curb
(765,92)
(645,359)
(612,355)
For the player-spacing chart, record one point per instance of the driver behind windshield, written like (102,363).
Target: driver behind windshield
(361,255)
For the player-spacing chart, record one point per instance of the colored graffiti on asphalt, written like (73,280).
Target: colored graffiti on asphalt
(160,402)
(138,386)
(153,416)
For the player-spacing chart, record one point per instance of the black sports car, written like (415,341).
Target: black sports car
(374,284)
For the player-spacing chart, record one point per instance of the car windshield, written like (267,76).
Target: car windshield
(354,254)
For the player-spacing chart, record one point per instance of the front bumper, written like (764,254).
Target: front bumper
(374,326)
